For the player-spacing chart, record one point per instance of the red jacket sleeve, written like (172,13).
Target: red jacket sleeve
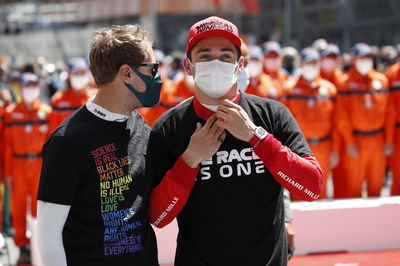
(170,196)
(302,176)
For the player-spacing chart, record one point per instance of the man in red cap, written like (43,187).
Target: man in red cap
(229,205)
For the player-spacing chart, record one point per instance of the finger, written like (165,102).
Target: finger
(225,109)
(215,130)
(231,104)
(224,116)
(221,124)
(222,136)
(220,133)
(198,127)
(210,121)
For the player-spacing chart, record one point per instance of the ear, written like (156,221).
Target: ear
(125,74)
(188,67)
(240,65)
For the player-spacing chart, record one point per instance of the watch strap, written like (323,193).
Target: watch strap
(254,140)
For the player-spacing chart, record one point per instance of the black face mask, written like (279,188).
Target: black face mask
(153,84)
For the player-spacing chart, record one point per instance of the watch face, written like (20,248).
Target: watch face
(260,132)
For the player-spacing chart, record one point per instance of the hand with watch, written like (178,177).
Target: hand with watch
(233,118)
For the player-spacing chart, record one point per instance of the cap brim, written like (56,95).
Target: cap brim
(29,81)
(74,69)
(217,32)
(309,59)
(329,53)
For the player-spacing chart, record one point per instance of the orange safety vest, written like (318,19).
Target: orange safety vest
(313,106)
(279,80)
(25,132)
(364,106)
(393,76)
(64,103)
(263,86)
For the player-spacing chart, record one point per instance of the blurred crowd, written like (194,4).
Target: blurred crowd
(347,105)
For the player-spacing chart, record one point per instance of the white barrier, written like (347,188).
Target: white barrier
(347,225)
(326,226)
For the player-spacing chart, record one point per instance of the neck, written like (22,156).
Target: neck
(28,105)
(327,73)
(205,99)
(309,82)
(115,98)
(272,72)
(76,92)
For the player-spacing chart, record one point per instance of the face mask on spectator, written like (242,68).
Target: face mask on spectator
(243,79)
(328,65)
(272,64)
(364,65)
(31,93)
(255,68)
(78,82)
(215,78)
(310,72)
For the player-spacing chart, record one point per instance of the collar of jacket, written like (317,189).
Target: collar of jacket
(205,113)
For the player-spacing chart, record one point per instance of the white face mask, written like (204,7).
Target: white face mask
(272,64)
(364,65)
(243,79)
(310,72)
(255,68)
(78,82)
(29,94)
(215,78)
(328,65)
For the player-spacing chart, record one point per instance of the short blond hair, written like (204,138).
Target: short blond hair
(112,47)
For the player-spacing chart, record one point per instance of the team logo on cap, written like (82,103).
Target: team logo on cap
(214,25)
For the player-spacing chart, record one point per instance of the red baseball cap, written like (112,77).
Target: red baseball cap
(213,26)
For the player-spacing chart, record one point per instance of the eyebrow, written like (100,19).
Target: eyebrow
(227,50)
(205,50)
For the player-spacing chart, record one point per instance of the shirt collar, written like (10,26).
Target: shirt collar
(103,113)
(203,112)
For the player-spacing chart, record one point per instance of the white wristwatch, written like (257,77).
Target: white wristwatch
(259,134)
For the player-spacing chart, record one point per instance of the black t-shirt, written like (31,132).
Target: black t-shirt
(234,214)
(86,164)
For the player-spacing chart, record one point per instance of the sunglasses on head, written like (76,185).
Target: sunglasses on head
(148,64)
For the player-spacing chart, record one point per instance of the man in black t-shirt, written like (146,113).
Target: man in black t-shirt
(95,182)
(229,206)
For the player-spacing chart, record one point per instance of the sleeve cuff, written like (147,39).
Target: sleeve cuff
(267,147)
(182,174)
